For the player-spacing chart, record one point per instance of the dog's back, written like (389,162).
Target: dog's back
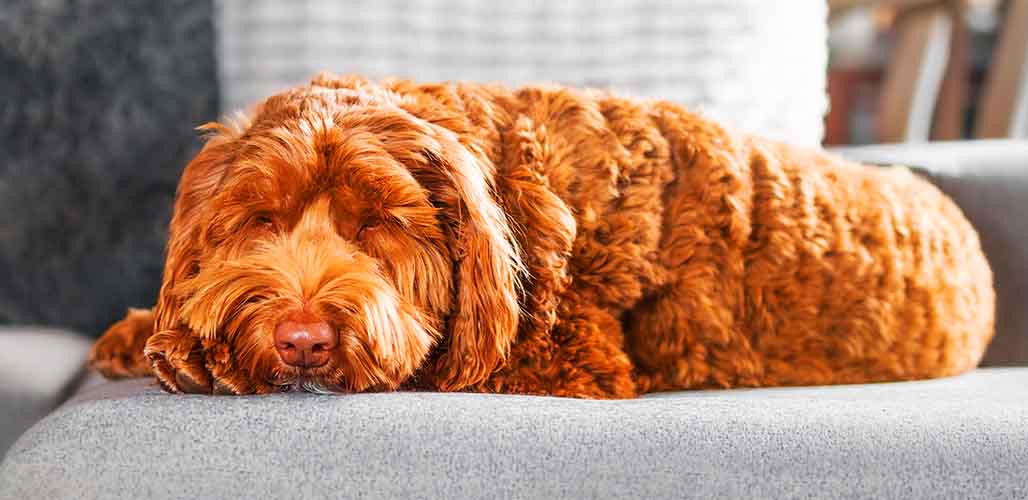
(732,260)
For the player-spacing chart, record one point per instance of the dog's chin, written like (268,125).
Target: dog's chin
(312,385)
(321,380)
(342,375)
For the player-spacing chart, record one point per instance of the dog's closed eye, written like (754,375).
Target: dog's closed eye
(367,227)
(264,221)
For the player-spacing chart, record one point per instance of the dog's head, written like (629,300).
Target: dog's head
(331,240)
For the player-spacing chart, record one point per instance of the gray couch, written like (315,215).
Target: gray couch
(961,437)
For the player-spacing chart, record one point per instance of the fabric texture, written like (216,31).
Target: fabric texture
(989,181)
(99,103)
(959,437)
(757,64)
(27,391)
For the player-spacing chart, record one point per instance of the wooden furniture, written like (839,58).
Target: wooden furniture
(915,74)
(1003,109)
(925,85)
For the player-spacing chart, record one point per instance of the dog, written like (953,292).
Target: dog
(350,235)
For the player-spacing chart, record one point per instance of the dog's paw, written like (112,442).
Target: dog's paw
(178,362)
(119,351)
(184,363)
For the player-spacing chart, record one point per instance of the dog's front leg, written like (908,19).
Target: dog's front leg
(118,353)
(679,339)
(581,357)
(178,362)
(185,363)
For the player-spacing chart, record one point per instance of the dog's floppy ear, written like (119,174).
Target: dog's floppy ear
(200,180)
(484,322)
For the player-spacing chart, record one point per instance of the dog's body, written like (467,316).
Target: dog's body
(547,241)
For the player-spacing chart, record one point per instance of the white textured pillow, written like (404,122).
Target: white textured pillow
(758,64)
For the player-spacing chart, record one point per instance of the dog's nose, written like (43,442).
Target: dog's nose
(305,345)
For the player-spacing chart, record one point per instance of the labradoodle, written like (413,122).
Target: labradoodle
(350,235)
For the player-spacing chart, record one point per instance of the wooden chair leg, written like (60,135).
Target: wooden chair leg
(1003,108)
(915,73)
(949,120)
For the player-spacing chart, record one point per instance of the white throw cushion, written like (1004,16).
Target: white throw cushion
(757,64)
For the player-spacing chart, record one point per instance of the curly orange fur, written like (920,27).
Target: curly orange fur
(547,240)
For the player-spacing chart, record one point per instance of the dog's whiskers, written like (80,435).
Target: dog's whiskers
(305,384)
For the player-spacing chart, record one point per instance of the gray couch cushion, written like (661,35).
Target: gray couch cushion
(989,180)
(38,369)
(964,437)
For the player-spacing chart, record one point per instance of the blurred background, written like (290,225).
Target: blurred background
(918,70)
(100,97)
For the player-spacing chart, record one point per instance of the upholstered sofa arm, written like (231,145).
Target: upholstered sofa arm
(39,369)
(989,180)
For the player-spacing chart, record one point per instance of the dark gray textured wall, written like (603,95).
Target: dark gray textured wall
(98,100)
